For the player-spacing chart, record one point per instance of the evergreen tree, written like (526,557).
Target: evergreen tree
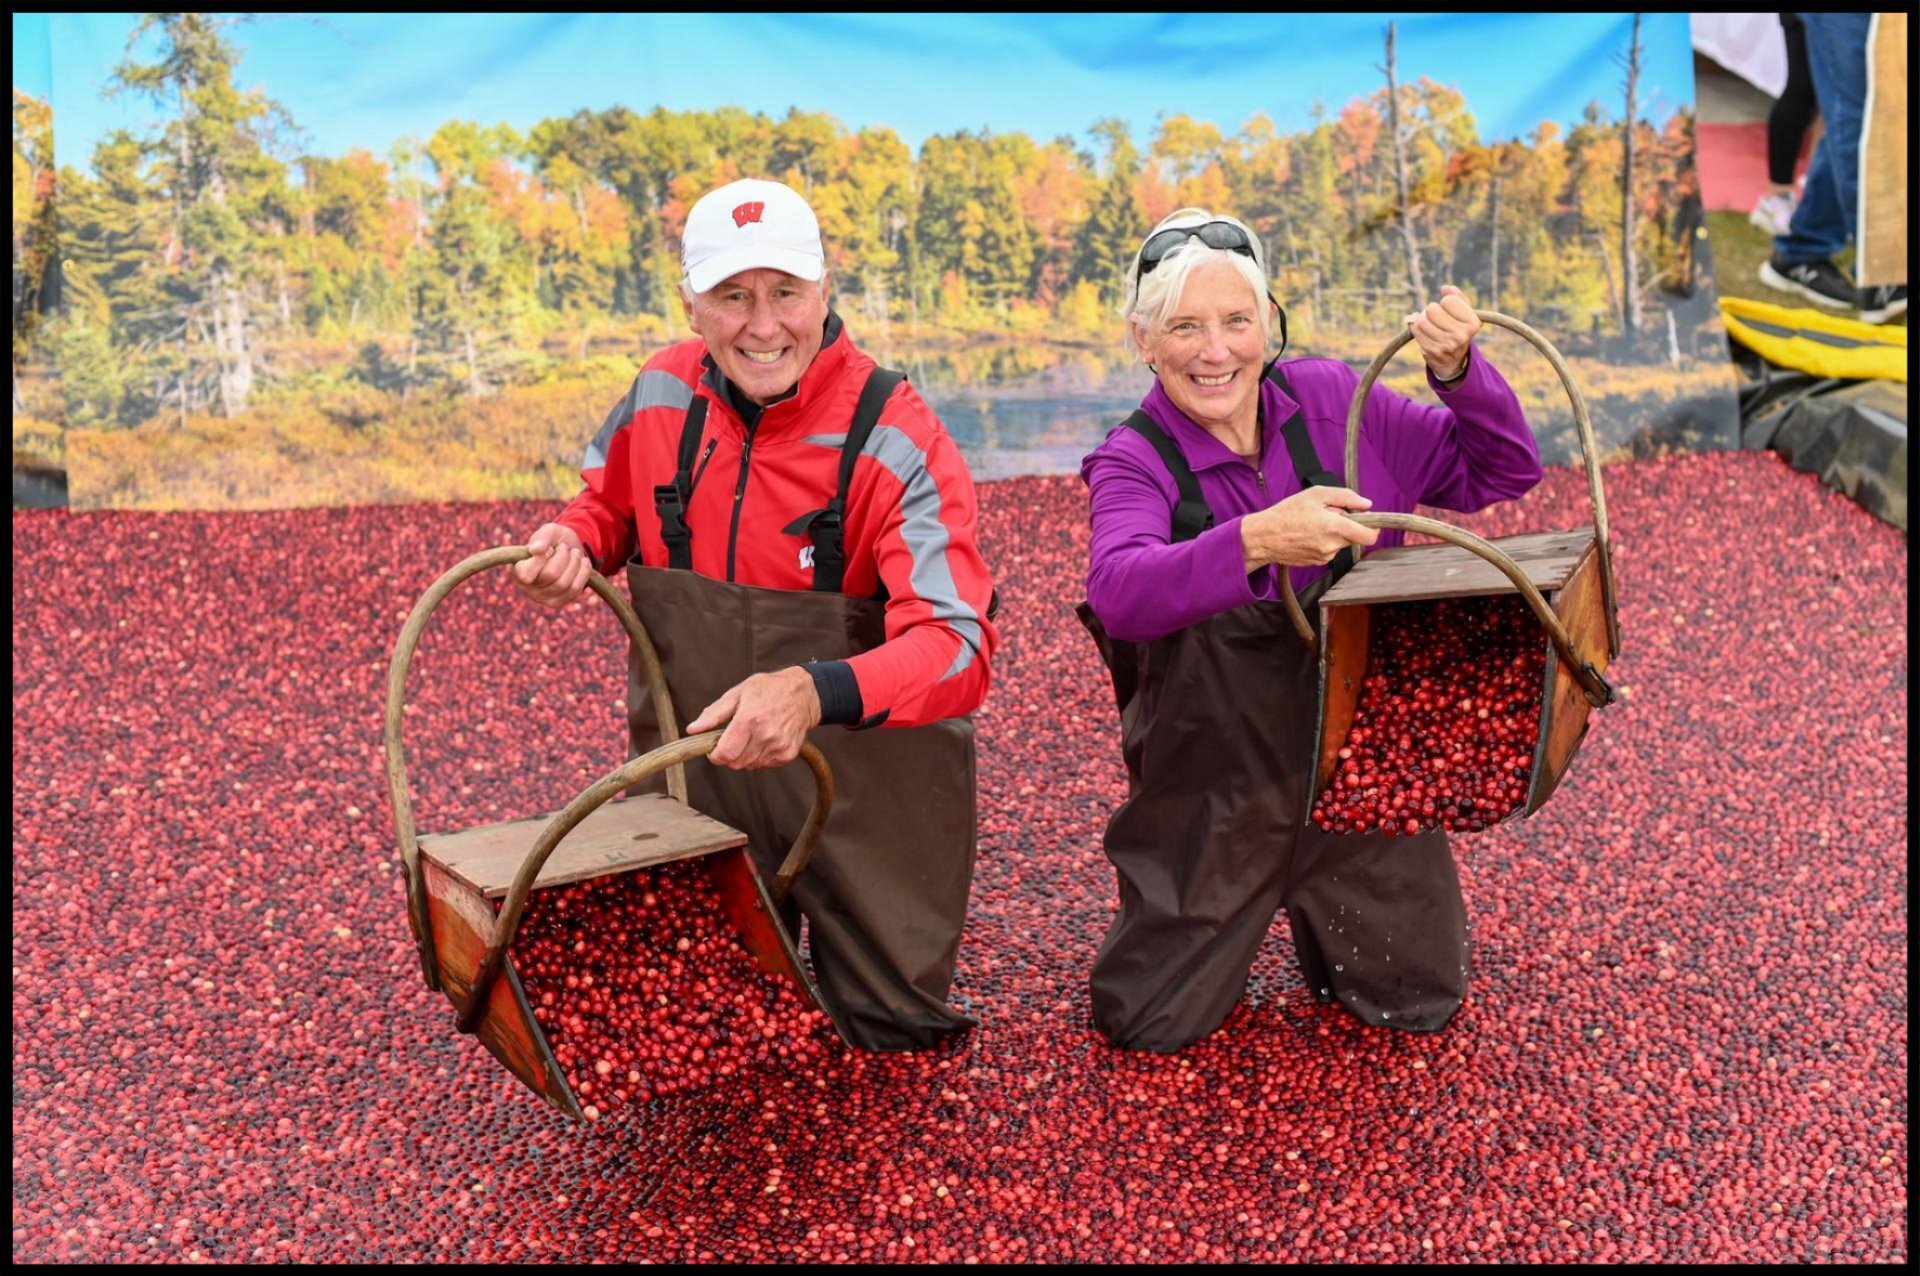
(116,239)
(216,172)
(948,222)
(1007,246)
(477,281)
(1111,234)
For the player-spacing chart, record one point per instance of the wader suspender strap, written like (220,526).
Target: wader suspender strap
(670,499)
(825,527)
(1191,516)
(1306,463)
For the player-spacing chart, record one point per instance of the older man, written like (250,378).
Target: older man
(798,531)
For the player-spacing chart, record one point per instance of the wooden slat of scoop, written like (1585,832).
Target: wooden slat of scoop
(640,832)
(1410,573)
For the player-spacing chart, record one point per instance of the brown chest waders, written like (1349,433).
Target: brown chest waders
(885,895)
(1217,731)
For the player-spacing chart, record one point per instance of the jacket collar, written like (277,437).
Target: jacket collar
(1202,449)
(814,382)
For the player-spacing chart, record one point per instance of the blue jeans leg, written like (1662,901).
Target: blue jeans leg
(1828,212)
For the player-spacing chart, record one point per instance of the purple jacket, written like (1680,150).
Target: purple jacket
(1473,450)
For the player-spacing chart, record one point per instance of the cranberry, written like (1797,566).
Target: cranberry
(1685,1039)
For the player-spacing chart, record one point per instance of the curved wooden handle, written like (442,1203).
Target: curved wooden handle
(1589,451)
(396,705)
(507,923)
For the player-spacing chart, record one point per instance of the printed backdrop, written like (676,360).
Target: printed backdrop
(283,261)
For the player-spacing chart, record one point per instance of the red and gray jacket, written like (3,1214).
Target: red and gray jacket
(908,528)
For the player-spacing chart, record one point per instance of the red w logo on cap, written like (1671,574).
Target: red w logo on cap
(748,213)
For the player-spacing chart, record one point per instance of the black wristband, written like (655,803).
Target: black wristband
(838,689)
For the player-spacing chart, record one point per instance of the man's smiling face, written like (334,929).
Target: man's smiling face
(763,328)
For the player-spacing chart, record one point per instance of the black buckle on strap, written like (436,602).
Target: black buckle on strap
(827,520)
(673,514)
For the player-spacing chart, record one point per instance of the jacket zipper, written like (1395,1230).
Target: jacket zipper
(702,468)
(739,495)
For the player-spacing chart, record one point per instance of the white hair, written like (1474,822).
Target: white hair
(1151,297)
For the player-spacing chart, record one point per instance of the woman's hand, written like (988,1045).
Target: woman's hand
(1444,332)
(1305,530)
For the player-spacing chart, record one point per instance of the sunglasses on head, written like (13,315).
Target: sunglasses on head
(1213,234)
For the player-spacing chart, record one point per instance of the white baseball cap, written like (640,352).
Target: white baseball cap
(749,225)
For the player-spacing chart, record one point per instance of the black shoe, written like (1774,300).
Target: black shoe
(1877,305)
(1820,282)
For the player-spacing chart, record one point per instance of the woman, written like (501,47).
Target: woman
(1220,477)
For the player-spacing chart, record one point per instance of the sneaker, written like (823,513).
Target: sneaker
(1877,305)
(1774,213)
(1820,282)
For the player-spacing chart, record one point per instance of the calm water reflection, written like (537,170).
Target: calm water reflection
(1032,409)
(1022,409)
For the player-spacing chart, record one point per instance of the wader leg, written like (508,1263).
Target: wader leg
(1190,925)
(880,1009)
(882,953)
(1385,917)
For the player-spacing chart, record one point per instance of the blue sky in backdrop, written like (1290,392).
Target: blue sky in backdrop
(365,80)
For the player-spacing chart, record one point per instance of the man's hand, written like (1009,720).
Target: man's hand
(558,570)
(1444,331)
(1304,530)
(768,718)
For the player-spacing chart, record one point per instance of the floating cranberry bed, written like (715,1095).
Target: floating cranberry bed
(1449,714)
(1685,1039)
(643,991)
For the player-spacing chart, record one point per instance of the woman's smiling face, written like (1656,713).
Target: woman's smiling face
(1208,350)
